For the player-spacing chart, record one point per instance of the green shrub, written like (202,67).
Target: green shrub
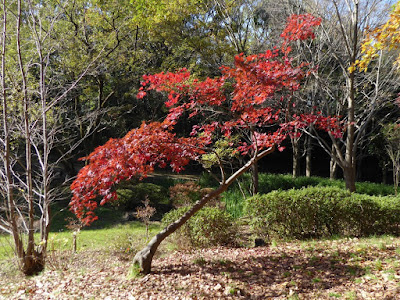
(375,215)
(296,213)
(322,211)
(271,182)
(208,227)
(164,181)
(374,189)
(207,180)
(131,196)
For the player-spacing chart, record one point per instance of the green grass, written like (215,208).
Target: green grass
(233,203)
(127,237)
(100,239)
(6,250)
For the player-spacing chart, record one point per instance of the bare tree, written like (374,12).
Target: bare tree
(339,89)
(34,97)
(391,134)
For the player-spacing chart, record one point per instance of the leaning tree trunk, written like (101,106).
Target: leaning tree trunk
(144,257)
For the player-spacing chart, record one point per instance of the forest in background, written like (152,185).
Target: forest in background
(82,62)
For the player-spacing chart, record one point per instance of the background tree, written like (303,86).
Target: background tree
(335,89)
(386,36)
(35,105)
(391,134)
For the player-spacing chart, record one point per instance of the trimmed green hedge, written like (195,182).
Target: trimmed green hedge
(210,226)
(322,211)
(271,182)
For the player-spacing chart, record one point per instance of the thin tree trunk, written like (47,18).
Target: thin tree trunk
(332,169)
(308,156)
(28,154)
(144,257)
(37,256)
(11,213)
(349,170)
(45,216)
(295,157)
(396,178)
(384,175)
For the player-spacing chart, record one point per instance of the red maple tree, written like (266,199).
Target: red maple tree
(247,100)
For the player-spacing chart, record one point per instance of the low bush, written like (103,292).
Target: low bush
(210,226)
(322,211)
(374,189)
(184,194)
(271,182)
(131,196)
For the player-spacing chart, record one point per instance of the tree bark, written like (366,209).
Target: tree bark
(384,175)
(333,166)
(38,255)
(349,170)
(349,174)
(144,257)
(308,156)
(332,169)
(28,146)
(295,157)
(11,215)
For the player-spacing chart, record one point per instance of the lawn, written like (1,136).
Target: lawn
(119,237)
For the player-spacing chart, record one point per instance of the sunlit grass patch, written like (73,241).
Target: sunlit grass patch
(109,238)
